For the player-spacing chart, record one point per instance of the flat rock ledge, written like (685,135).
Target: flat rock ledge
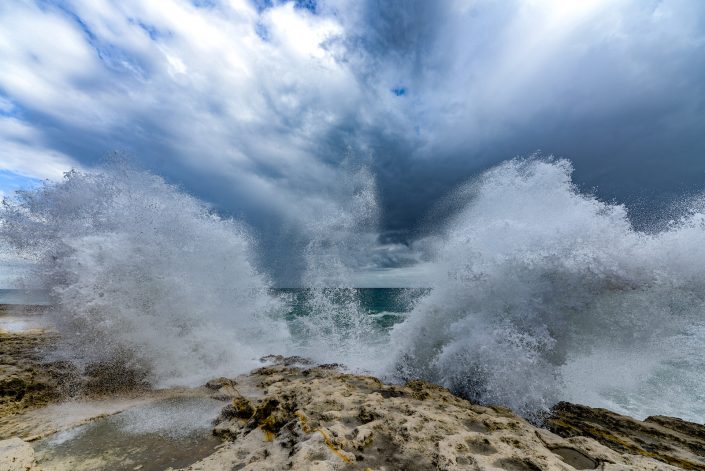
(295,416)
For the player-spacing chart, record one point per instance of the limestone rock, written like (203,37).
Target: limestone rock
(224,389)
(320,418)
(16,455)
(666,439)
(26,382)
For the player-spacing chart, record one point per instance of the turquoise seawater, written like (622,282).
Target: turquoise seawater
(386,305)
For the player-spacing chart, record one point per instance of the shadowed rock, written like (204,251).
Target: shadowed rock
(667,439)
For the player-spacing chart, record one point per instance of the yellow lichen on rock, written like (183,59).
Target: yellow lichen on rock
(326,438)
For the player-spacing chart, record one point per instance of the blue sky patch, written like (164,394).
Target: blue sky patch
(11,182)
(203,3)
(262,31)
(262,5)
(310,5)
(399,91)
(8,107)
(151,30)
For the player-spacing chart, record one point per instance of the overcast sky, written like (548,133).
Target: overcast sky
(265,108)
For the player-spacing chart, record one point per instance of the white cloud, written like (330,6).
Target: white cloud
(206,87)
(44,58)
(22,152)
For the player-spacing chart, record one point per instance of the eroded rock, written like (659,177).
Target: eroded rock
(323,418)
(26,381)
(666,439)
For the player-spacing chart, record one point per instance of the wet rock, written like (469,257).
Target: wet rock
(240,408)
(219,383)
(232,421)
(286,361)
(667,439)
(224,389)
(26,381)
(114,377)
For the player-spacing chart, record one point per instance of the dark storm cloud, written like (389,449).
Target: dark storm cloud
(254,105)
(618,88)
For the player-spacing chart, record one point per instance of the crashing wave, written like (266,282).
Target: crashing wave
(144,273)
(542,293)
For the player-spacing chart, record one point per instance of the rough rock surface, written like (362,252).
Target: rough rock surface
(667,439)
(16,455)
(29,382)
(25,381)
(319,418)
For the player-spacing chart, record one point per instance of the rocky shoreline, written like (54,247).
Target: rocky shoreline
(291,414)
(668,439)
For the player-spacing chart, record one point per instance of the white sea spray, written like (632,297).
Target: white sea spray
(542,293)
(539,292)
(337,327)
(142,272)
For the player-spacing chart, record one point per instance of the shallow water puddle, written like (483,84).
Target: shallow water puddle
(174,432)
(16,322)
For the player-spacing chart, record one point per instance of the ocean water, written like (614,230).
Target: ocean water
(537,292)
(23,297)
(387,306)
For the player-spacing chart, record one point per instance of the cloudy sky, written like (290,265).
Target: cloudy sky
(264,108)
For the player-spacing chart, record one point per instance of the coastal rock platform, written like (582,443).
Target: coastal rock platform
(667,439)
(291,415)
